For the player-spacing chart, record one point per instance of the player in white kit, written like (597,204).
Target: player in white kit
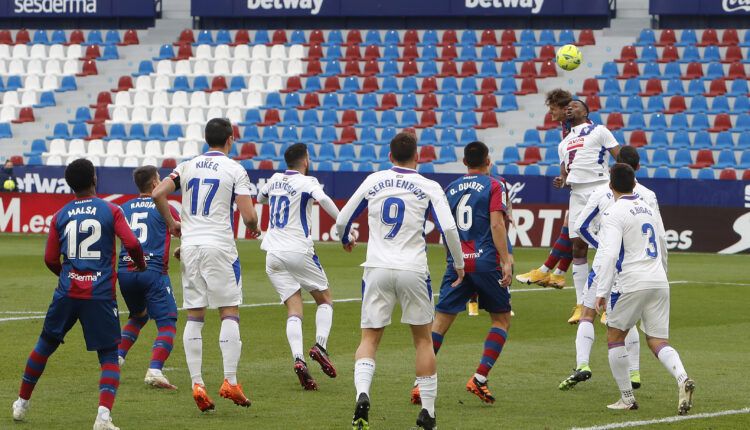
(291,262)
(211,277)
(633,249)
(584,154)
(587,227)
(398,202)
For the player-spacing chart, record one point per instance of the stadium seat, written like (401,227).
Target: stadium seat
(728,174)
(726,159)
(703,159)
(706,174)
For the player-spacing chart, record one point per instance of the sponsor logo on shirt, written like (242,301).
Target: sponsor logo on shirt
(87,277)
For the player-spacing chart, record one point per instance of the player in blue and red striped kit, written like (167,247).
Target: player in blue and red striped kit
(83,232)
(148,294)
(478,203)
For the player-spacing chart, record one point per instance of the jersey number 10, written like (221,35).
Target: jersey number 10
(279,211)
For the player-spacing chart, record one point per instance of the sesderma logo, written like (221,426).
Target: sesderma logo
(54,6)
(312,5)
(735,5)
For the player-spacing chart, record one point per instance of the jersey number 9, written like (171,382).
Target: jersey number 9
(395,220)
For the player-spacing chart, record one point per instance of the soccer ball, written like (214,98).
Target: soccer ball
(9,185)
(569,57)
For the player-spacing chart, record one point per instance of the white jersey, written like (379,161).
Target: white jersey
(209,183)
(290,195)
(588,223)
(632,247)
(398,201)
(584,153)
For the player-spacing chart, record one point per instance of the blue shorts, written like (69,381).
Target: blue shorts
(493,297)
(150,291)
(99,320)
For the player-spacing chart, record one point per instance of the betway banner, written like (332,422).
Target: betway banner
(397,8)
(77,8)
(699,7)
(688,228)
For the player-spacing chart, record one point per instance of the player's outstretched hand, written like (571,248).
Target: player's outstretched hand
(558,182)
(177,253)
(601,303)
(253,232)
(459,279)
(507,274)
(176,229)
(350,246)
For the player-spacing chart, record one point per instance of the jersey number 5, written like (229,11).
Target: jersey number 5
(137,226)
(395,220)
(651,250)
(194,186)
(81,250)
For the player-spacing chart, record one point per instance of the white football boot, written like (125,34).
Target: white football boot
(156,379)
(20,408)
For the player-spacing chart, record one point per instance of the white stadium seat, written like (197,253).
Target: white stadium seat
(54,160)
(74,52)
(235,100)
(177,116)
(161,98)
(120,114)
(239,67)
(190,149)
(76,147)
(201,68)
(134,148)
(20,52)
(130,162)
(296,52)
(221,67)
(222,52)
(57,147)
(52,67)
(122,98)
(114,148)
(38,52)
(164,67)
(141,98)
(203,52)
(216,99)
(274,84)
(96,147)
(195,116)
(194,132)
(152,149)
(242,52)
(198,99)
(112,161)
(158,115)
(214,112)
(70,67)
(7,114)
(172,149)
(260,52)
(150,161)
(180,99)
(278,52)
(56,52)
(139,115)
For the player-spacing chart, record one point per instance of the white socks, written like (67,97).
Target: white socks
(364,369)
(428,392)
(633,345)
(618,362)
(323,321)
(584,342)
(192,340)
(558,272)
(294,336)
(544,269)
(231,347)
(671,360)
(580,276)
(103,413)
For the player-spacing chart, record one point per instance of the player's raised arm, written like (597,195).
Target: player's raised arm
(356,204)
(52,250)
(129,241)
(169,185)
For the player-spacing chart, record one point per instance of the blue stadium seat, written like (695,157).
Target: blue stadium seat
(706,174)
(14,83)
(166,52)
(641,173)
(468,85)
(738,87)
(552,137)
(510,155)
(391,53)
(237,83)
(489,69)
(468,103)
(250,134)
(741,104)
(632,87)
(389,85)
(390,68)
(507,103)
(488,53)
(531,137)
(742,124)
(326,166)
(94,38)
(672,71)
(383,153)
(205,37)
(743,142)
(428,137)
(223,37)
(83,114)
(655,104)
(696,87)
(328,134)
(553,170)
(714,70)
(368,135)
(408,102)
(468,119)
(5,131)
(657,122)
(566,38)
(409,119)
(247,164)
(448,85)
(365,167)
(662,173)
(137,132)
(372,37)
(112,37)
(80,131)
(312,85)
(369,118)
(610,87)
(40,38)
(674,87)
(297,38)
(468,38)
(34,160)
(346,153)
(58,37)
(309,134)
(156,132)
(291,117)
(643,155)
(619,136)
(679,122)
(546,37)
(724,140)
(660,157)
(367,153)
(700,122)
(447,155)
(426,168)
(650,70)
(702,140)
(270,134)
(267,151)
(174,132)
(726,159)
(38,146)
(551,157)
(252,117)
(507,68)
(711,55)
(180,83)
(468,135)
(527,37)
(532,170)
(448,102)
(387,135)
(681,139)
(145,67)
(67,83)
(698,104)
(682,158)
(200,83)
(273,101)
(687,37)
(683,173)
(648,54)
(720,104)
(744,160)
(527,53)
(430,37)
(609,70)
(634,104)
(429,68)
(507,86)
(332,68)
(447,119)
(646,38)
(690,55)
(351,85)
(333,52)
(289,134)
(334,38)
(388,119)
(659,139)
(448,137)
(511,169)
(467,53)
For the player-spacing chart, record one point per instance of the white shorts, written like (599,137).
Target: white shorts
(650,306)
(383,288)
(211,277)
(290,271)
(579,196)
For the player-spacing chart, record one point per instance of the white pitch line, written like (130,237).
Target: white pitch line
(674,419)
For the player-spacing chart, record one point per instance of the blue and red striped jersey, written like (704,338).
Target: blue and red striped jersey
(151,230)
(472,198)
(84,232)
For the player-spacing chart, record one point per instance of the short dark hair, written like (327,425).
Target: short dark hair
(218,131)
(143,176)
(403,147)
(80,175)
(295,154)
(475,154)
(622,178)
(558,97)
(629,155)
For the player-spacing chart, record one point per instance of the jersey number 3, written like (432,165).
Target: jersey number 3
(651,250)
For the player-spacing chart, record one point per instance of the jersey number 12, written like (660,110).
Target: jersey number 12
(81,250)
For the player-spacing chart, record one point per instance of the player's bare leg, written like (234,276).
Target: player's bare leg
(440,327)
(364,370)
(493,346)
(672,362)
(580,276)
(323,322)
(426,369)
(231,349)
(294,336)
(192,339)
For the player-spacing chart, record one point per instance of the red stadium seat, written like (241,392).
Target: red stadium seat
(709,37)
(278,38)
(489,102)
(736,71)
(372,68)
(315,52)
(123,84)
(590,86)
(653,87)
(528,70)
(717,87)
(615,121)
(17,160)
(637,138)
(669,54)
(271,117)
(627,53)
(730,38)
(429,102)
(705,158)
(694,71)
(98,131)
(348,118)
(549,123)
(22,37)
(331,85)
(388,102)
(528,86)
(410,69)
(667,37)
(293,84)
(629,70)
(185,37)
(507,53)
(242,37)
(449,38)
(489,120)
(369,85)
(104,98)
(448,68)
(89,68)
(548,69)
(586,38)
(353,37)
(468,68)
(488,38)
(733,55)
(101,114)
(593,102)
(316,38)
(508,37)
(352,53)
(728,174)
(746,175)
(429,85)
(76,38)
(184,52)
(265,165)
(26,114)
(235,131)
(676,105)
(313,68)
(427,154)
(372,52)
(448,53)
(410,37)
(92,52)
(410,53)
(546,53)
(427,119)
(351,68)
(532,155)
(247,151)
(218,83)
(5,37)
(169,163)
(722,122)
(488,86)
(348,135)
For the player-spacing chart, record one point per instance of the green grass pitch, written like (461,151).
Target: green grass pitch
(709,327)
